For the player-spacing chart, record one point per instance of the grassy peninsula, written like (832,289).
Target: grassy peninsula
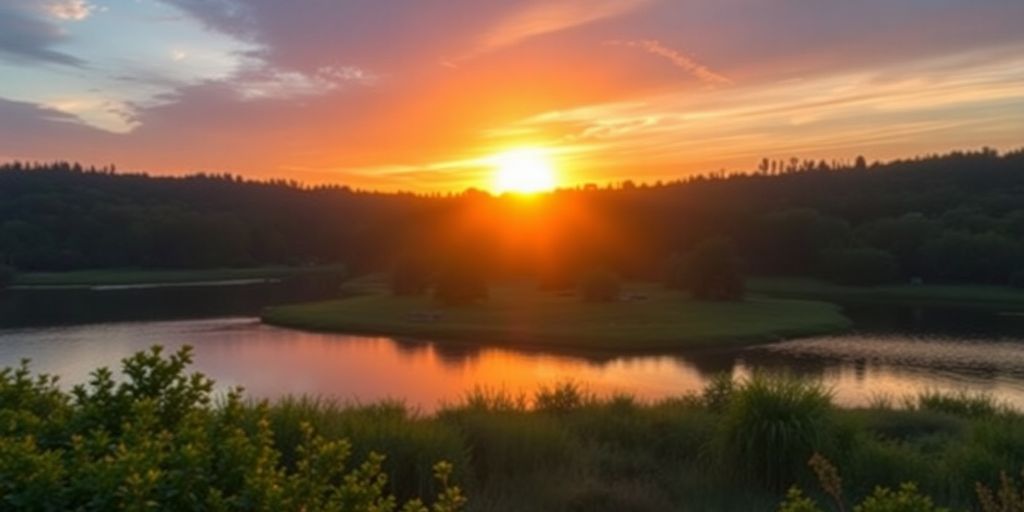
(648,318)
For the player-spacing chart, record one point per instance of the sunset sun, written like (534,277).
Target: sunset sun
(523,171)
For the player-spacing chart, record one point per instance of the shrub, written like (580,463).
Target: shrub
(562,397)
(772,426)
(960,403)
(711,271)
(883,499)
(155,441)
(860,267)
(600,286)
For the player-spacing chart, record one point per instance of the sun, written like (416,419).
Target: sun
(524,171)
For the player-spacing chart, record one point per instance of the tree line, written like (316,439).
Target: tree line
(957,217)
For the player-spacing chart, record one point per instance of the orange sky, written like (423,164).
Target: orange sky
(419,96)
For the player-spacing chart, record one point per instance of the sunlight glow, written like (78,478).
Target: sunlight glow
(525,171)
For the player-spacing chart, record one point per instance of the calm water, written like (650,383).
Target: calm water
(895,351)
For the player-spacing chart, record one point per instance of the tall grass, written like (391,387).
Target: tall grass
(772,426)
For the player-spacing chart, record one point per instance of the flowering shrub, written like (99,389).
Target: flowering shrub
(156,441)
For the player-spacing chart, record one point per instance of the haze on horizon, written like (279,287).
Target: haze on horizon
(414,95)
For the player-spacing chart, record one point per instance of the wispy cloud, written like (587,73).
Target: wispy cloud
(677,59)
(873,111)
(547,17)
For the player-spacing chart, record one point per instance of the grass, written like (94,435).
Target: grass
(519,314)
(928,294)
(564,449)
(735,447)
(115,277)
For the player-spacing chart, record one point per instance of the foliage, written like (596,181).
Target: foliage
(883,499)
(954,217)
(958,403)
(6,276)
(773,425)
(860,267)
(1007,498)
(460,284)
(1017,279)
(959,256)
(410,276)
(154,441)
(711,271)
(600,286)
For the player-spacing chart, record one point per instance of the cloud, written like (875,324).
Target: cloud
(280,84)
(27,38)
(551,16)
(679,60)
(69,10)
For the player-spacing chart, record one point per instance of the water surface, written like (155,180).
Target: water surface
(884,358)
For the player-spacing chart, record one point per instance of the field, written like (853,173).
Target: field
(520,314)
(119,277)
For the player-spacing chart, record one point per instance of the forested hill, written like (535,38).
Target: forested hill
(956,217)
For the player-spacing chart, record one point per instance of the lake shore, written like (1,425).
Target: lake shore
(149,278)
(969,296)
(520,315)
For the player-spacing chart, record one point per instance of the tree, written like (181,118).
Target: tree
(410,276)
(461,283)
(860,267)
(712,271)
(6,276)
(600,286)
(958,256)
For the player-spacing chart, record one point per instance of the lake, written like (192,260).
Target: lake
(893,351)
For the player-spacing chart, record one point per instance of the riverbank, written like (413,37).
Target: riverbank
(518,314)
(737,445)
(154,277)
(977,296)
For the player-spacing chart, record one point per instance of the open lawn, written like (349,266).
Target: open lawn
(520,314)
(1002,297)
(112,277)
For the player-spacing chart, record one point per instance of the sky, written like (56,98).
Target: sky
(420,95)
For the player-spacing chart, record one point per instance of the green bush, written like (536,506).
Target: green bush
(154,441)
(772,426)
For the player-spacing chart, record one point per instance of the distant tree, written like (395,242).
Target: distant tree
(600,286)
(902,237)
(461,283)
(792,241)
(860,266)
(6,276)
(860,163)
(1017,279)
(712,271)
(410,276)
(958,256)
